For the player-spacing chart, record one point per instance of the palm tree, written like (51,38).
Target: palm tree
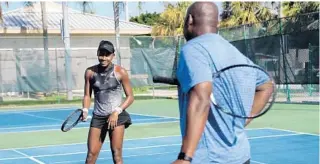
(86,7)
(116,12)
(171,20)
(246,13)
(45,42)
(226,13)
(117,6)
(1,21)
(6,4)
(140,6)
(295,8)
(44,19)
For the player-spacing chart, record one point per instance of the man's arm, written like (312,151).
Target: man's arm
(261,98)
(197,115)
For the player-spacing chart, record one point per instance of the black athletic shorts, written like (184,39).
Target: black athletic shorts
(101,121)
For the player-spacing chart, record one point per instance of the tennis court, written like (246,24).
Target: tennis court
(287,134)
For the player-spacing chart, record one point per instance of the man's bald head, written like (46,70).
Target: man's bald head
(201,18)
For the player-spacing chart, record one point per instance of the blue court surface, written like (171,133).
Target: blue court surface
(51,119)
(268,145)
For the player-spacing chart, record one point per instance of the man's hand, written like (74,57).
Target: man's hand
(84,114)
(181,162)
(113,120)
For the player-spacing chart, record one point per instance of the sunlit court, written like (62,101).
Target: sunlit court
(59,60)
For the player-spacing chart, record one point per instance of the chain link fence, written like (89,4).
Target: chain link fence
(287,48)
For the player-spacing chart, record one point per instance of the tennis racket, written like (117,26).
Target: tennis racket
(72,120)
(244,75)
(241,75)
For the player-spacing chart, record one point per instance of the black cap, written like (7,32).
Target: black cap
(106,46)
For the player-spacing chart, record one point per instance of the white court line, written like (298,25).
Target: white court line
(4,111)
(69,108)
(107,150)
(269,136)
(123,157)
(49,155)
(155,146)
(26,127)
(146,138)
(84,152)
(153,115)
(274,136)
(58,125)
(125,139)
(252,161)
(135,124)
(148,119)
(256,129)
(293,131)
(29,157)
(48,118)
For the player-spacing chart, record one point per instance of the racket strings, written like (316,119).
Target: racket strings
(226,93)
(233,85)
(72,120)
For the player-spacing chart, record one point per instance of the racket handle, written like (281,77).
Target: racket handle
(165,80)
(88,118)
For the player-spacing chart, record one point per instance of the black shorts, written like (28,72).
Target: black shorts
(101,121)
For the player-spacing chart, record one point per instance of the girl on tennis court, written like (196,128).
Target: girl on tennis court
(109,116)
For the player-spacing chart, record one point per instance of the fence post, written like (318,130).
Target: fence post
(282,42)
(309,70)
(68,59)
(57,75)
(1,85)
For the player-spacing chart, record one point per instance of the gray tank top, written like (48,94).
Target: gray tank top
(107,91)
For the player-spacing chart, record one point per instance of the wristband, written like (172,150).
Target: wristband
(118,109)
(183,156)
(85,110)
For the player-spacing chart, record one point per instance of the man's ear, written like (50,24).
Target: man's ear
(190,20)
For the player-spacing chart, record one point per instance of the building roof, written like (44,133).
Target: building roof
(29,20)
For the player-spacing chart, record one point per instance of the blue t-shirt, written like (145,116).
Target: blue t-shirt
(224,139)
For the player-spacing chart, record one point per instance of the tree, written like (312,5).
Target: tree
(146,18)
(45,39)
(86,7)
(226,10)
(6,4)
(116,12)
(171,20)
(295,8)
(239,13)
(140,6)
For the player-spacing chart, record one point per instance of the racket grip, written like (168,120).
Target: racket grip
(165,80)
(88,118)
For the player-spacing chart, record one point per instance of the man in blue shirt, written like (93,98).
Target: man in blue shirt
(210,136)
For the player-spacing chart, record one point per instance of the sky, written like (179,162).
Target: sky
(106,8)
